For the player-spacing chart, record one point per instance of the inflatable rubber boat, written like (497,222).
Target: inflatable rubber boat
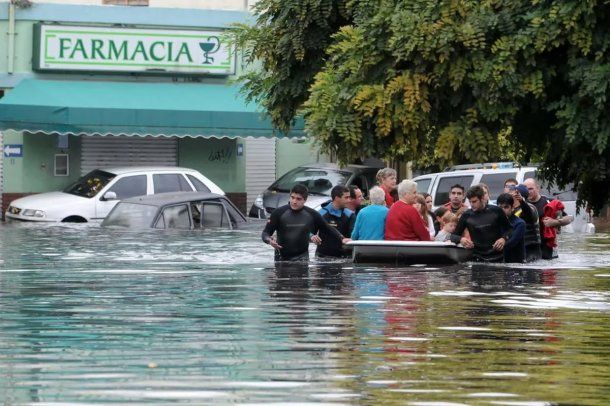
(408,252)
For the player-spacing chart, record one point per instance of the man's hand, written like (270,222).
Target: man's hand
(466,243)
(550,222)
(346,240)
(274,243)
(499,244)
(316,239)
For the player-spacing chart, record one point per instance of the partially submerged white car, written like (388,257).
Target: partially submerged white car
(93,196)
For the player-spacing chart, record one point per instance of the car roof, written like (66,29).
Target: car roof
(119,170)
(483,171)
(162,199)
(329,165)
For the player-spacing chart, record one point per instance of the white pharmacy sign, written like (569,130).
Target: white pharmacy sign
(112,49)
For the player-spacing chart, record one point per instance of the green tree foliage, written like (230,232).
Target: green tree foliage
(443,82)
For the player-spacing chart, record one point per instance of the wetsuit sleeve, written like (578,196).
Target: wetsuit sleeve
(516,236)
(320,223)
(271,225)
(456,237)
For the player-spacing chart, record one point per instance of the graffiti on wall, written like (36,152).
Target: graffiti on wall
(222,155)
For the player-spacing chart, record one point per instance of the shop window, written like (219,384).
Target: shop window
(126,2)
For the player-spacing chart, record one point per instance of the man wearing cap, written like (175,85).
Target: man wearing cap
(528,213)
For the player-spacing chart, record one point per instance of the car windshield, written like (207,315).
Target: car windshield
(131,215)
(318,180)
(90,184)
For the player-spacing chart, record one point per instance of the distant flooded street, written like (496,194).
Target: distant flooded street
(93,316)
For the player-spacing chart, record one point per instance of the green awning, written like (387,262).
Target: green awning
(127,108)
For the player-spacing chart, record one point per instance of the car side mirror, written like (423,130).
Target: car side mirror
(109,196)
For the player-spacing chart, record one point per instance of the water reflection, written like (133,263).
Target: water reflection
(91,316)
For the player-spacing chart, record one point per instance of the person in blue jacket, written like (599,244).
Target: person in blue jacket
(514,249)
(370,222)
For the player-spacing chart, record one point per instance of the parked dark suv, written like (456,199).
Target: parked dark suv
(319,179)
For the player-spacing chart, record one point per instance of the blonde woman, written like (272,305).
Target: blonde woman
(386,178)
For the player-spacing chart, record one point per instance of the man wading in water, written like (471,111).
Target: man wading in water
(294,224)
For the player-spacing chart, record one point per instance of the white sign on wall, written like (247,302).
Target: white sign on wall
(112,49)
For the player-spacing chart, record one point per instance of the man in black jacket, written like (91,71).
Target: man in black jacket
(294,224)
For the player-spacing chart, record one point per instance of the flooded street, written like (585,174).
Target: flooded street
(96,316)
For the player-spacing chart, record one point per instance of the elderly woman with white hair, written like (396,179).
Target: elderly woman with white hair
(404,222)
(370,222)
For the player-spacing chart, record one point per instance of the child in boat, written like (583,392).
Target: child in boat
(448,222)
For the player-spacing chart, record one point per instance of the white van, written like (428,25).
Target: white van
(494,175)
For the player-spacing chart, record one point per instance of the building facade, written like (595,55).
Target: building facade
(88,85)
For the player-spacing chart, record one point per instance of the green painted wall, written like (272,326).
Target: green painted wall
(34,172)
(216,159)
(291,154)
(12,167)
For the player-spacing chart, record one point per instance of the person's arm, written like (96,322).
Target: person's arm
(528,214)
(564,221)
(516,236)
(456,237)
(320,223)
(270,228)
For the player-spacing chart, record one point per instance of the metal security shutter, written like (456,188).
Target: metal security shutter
(260,166)
(112,151)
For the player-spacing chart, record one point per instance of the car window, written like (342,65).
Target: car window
(90,184)
(213,215)
(176,217)
(362,184)
(131,215)
(318,180)
(423,185)
(129,186)
(170,182)
(565,194)
(371,177)
(444,187)
(234,214)
(495,182)
(199,185)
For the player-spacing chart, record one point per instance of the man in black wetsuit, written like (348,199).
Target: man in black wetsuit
(294,224)
(488,227)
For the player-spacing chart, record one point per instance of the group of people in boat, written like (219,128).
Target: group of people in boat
(522,226)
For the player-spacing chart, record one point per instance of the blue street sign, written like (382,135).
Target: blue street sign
(13,150)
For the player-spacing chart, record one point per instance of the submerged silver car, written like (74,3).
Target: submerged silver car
(180,210)
(319,179)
